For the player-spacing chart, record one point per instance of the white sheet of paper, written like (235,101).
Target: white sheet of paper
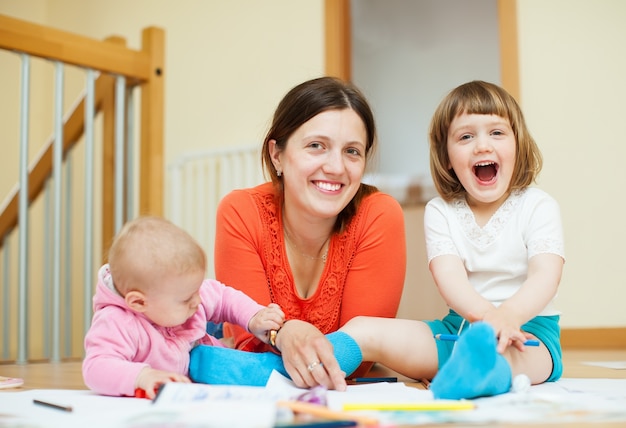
(88,409)
(565,401)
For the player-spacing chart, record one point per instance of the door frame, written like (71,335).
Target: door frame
(338,42)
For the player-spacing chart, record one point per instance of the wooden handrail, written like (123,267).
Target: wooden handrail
(45,42)
(143,67)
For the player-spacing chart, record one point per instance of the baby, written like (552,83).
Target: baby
(151,307)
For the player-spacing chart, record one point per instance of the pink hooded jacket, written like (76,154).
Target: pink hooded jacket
(121,342)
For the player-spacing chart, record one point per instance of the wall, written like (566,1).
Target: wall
(405,59)
(420,298)
(572,92)
(572,69)
(228,64)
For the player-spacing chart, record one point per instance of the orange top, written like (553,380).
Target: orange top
(364,273)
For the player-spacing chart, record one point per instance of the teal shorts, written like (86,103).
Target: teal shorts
(545,328)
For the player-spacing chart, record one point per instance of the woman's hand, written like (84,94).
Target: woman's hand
(308,356)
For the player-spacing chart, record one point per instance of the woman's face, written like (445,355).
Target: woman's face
(323,163)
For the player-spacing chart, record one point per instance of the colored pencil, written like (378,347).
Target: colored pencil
(425,406)
(326,413)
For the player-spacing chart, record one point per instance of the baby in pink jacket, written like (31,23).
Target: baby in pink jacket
(151,308)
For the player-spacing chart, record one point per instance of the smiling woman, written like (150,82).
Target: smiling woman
(315,240)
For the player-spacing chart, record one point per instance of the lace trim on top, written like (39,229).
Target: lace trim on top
(546,246)
(323,307)
(484,236)
(441,248)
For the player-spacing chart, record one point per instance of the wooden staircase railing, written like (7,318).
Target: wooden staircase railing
(144,68)
(110,58)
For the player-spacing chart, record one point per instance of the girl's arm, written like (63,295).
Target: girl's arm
(543,236)
(540,287)
(447,267)
(451,279)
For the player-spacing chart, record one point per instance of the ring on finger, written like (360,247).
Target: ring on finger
(312,366)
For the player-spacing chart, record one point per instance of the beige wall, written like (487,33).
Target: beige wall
(572,68)
(229,62)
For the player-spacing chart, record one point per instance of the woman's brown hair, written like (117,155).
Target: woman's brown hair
(307,100)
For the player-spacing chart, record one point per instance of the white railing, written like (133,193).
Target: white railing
(199,180)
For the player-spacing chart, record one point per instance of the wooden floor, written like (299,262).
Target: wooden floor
(67,375)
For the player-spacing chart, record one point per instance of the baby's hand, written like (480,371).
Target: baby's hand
(150,379)
(269,318)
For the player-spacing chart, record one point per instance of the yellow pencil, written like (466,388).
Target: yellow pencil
(324,412)
(425,406)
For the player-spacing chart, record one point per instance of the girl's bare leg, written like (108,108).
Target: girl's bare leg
(534,362)
(404,346)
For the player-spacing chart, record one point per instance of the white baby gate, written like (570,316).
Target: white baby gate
(199,180)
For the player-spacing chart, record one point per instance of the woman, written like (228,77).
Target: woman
(314,240)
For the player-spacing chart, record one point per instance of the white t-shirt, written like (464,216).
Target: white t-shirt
(496,255)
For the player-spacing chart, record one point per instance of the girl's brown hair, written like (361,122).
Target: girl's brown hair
(307,100)
(478,97)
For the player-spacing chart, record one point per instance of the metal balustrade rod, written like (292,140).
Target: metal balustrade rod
(67,258)
(120,101)
(130,156)
(6,296)
(47,273)
(88,270)
(22,348)
(56,229)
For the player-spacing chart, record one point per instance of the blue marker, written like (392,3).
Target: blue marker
(454,338)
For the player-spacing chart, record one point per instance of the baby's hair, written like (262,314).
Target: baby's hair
(478,97)
(147,247)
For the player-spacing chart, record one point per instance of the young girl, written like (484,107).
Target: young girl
(495,250)
(151,307)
